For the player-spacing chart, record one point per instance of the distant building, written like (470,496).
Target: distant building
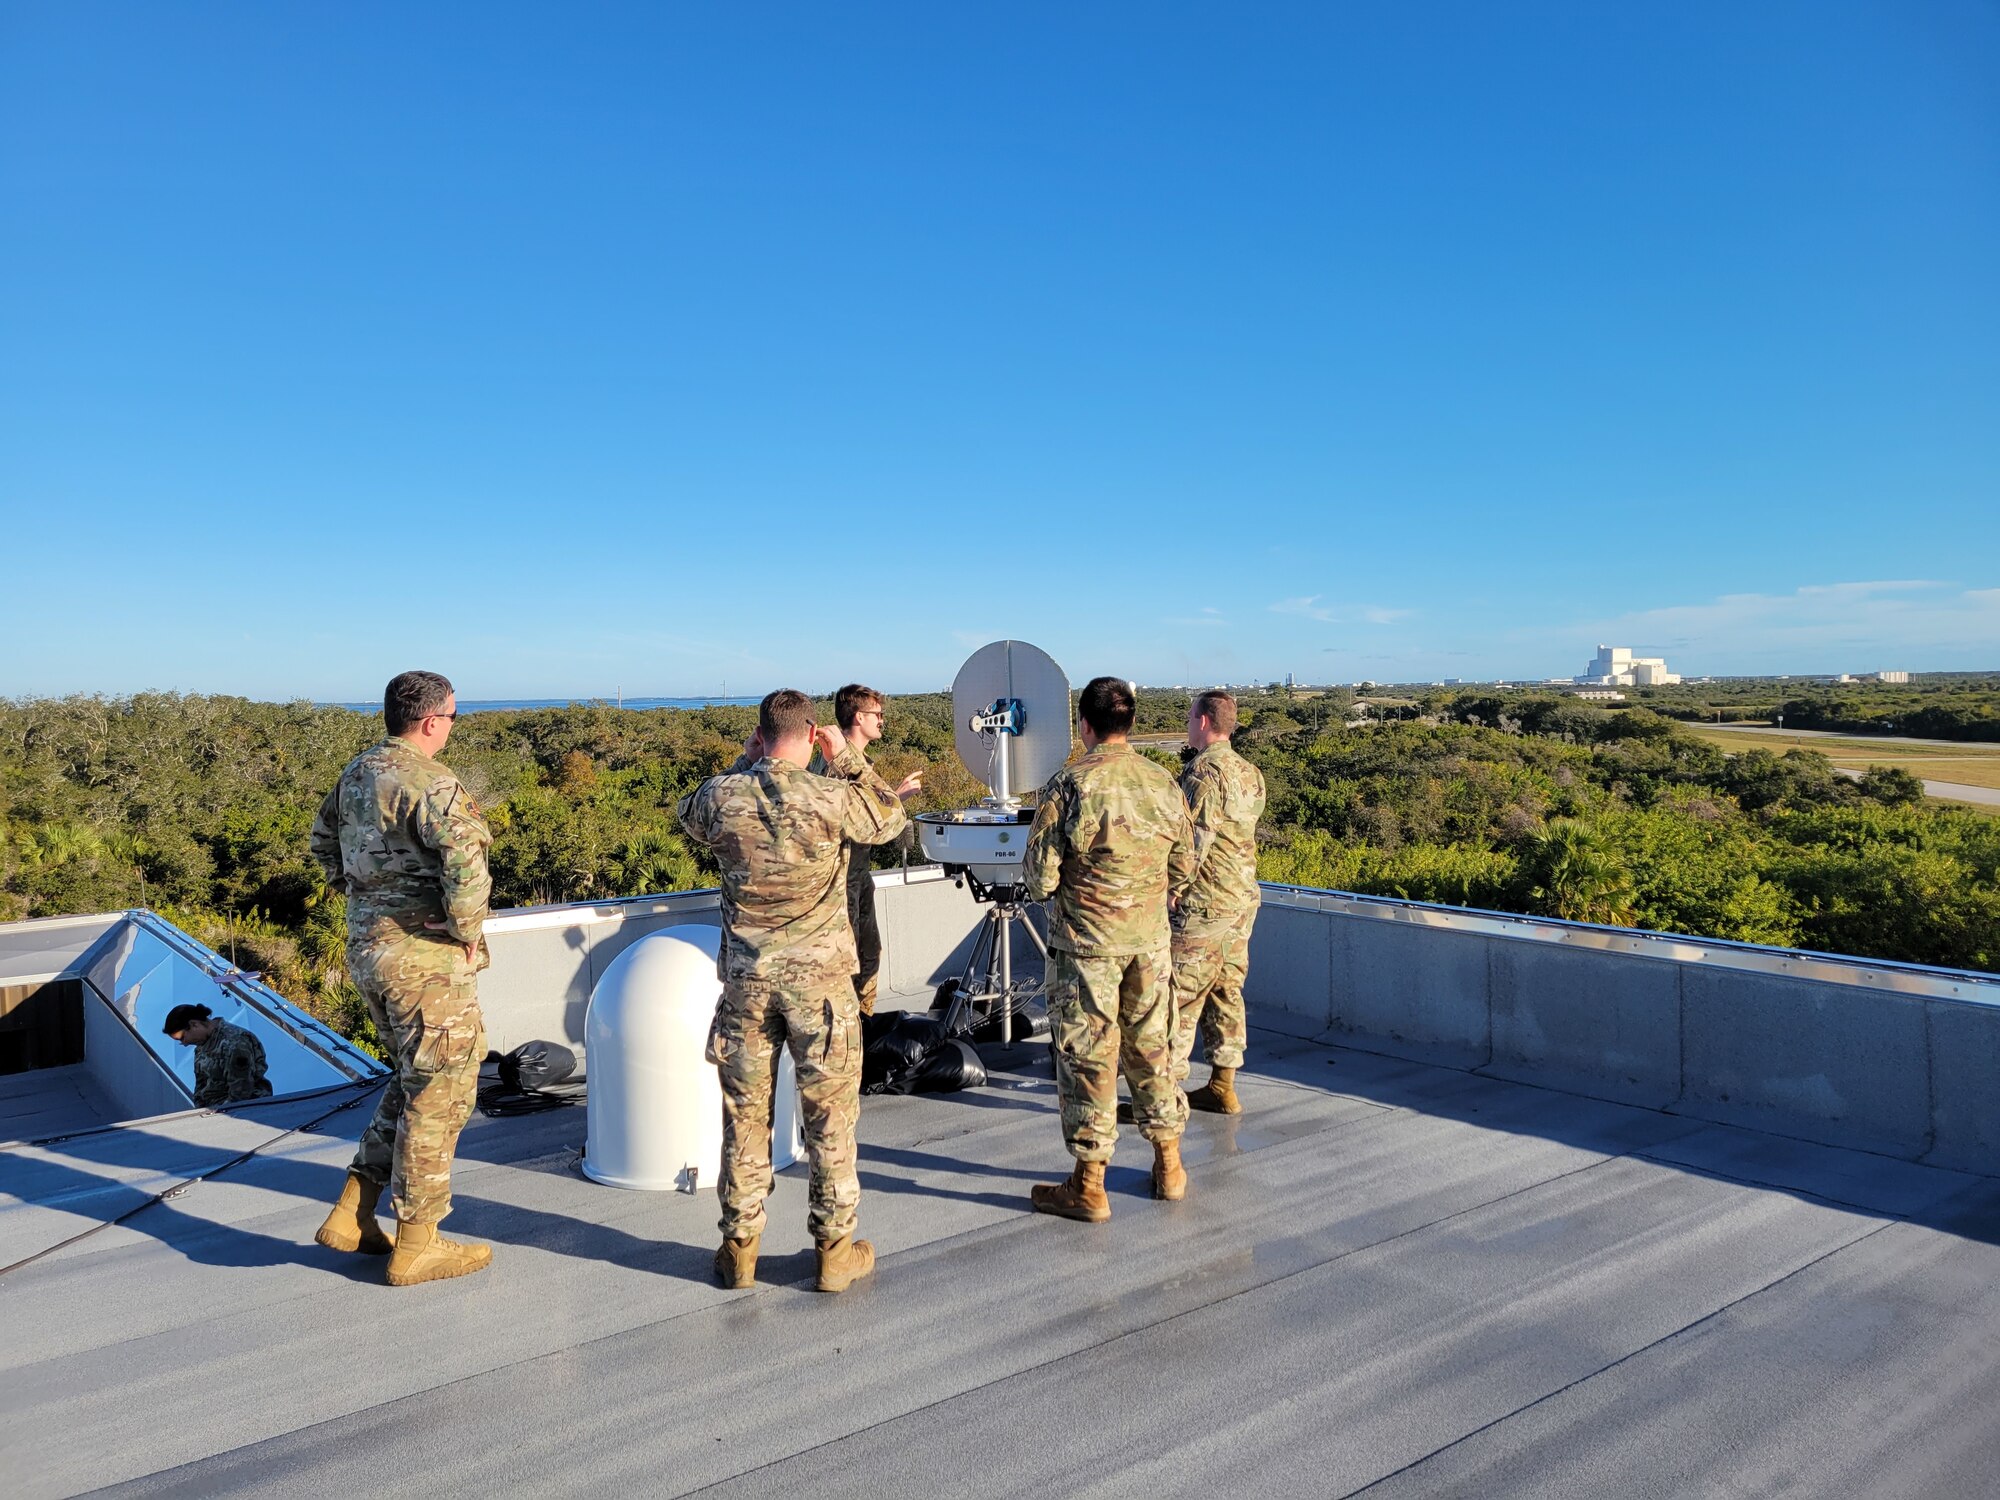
(1616,666)
(1599,695)
(1887,677)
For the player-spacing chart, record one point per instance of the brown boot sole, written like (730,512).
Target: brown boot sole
(440,1270)
(340,1239)
(1209,1104)
(1051,1200)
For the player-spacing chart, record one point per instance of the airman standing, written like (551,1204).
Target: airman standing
(859,712)
(1112,844)
(1212,921)
(787,965)
(407,844)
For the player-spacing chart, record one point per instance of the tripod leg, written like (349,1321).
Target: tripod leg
(1006,986)
(1030,926)
(961,1002)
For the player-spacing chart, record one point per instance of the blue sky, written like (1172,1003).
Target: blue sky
(663,348)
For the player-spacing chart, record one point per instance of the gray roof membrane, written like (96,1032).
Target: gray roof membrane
(1388,1278)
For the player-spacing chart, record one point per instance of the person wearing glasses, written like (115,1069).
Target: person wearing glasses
(402,838)
(858,712)
(228,1061)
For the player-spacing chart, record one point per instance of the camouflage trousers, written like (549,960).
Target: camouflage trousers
(1108,1014)
(424,999)
(1211,961)
(867,939)
(819,1022)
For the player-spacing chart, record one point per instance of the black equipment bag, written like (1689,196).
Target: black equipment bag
(946,1068)
(536,1065)
(898,1048)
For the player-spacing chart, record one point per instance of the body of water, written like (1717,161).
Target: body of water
(498,705)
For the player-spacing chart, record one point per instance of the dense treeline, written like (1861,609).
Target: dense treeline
(200,808)
(1555,808)
(1932,705)
(1966,716)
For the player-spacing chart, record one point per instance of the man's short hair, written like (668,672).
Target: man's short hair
(1105,704)
(851,700)
(783,714)
(1219,708)
(413,697)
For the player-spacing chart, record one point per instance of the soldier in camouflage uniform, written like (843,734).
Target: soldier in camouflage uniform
(1112,844)
(858,712)
(405,841)
(229,1062)
(787,966)
(1212,922)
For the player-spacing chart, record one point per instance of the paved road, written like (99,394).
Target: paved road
(1834,734)
(1958,791)
(1950,791)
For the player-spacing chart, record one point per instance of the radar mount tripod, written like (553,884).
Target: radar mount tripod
(986,995)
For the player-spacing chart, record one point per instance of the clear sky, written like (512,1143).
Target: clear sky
(659,347)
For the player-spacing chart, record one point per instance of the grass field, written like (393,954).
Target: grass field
(1968,767)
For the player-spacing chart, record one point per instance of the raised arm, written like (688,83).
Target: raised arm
(871,813)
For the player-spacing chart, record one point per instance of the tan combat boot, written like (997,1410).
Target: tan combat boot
(736,1262)
(1218,1095)
(1169,1176)
(352,1224)
(1080,1197)
(843,1262)
(422,1254)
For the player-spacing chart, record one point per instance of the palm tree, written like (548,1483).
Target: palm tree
(1578,879)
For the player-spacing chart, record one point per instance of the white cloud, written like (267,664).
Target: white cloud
(1309,607)
(1859,626)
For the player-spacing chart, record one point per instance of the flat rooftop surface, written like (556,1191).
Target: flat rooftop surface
(1388,1278)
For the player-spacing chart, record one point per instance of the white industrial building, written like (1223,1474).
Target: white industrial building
(1616,666)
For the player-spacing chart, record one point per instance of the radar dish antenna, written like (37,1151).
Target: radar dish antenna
(1011,711)
(1011,720)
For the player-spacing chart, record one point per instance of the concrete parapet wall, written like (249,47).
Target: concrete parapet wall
(1892,1058)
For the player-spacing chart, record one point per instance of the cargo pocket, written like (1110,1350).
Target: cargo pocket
(445,1049)
(840,1046)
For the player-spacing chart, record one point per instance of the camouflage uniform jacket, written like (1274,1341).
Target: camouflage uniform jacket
(229,1067)
(1111,841)
(1225,796)
(777,830)
(407,844)
(860,866)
